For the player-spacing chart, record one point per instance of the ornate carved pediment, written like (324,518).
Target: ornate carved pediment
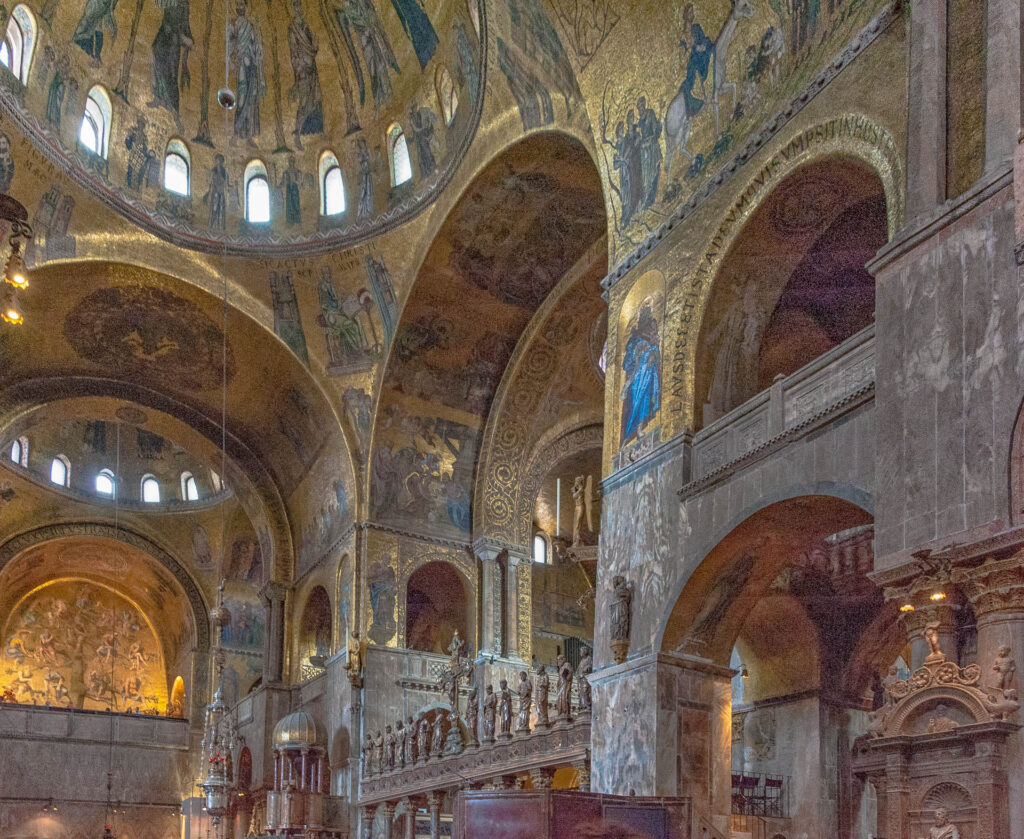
(940,696)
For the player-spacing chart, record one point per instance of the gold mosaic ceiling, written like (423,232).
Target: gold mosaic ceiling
(311,78)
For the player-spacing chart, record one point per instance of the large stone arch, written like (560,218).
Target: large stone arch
(849,135)
(198,607)
(821,513)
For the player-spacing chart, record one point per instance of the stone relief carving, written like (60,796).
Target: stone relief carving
(620,610)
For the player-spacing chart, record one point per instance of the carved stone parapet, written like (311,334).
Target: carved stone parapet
(566,745)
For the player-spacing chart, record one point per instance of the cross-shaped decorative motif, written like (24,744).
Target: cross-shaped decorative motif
(458,668)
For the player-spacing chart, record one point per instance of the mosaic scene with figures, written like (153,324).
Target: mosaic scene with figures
(511,419)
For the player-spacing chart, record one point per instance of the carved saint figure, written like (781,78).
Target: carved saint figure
(423,739)
(506,709)
(540,689)
(389,748)
(401,744)
(437,739)
(1005,669)
(378,752)
(525,691)
(368,755)
(622,598)
(410,743)
(354,664)
(943,828)
(583,670)
(490,710)
(578,491)
(472,711)
(563,697)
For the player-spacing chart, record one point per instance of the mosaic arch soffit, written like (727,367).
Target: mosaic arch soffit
(285,122)
(564,182)
(506,449)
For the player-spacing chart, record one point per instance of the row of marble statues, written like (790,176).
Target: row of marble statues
(488,718)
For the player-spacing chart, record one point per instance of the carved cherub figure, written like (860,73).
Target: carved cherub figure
(1005,669)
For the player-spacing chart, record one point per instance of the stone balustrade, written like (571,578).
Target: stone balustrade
(816,394)
(536,754)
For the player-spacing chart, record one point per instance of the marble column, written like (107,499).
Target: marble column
(542,778)
(369,812)
(926,121)
(434,808)
(492,598)
(410,819)
(387,812)
(518,605)
(274,594)
(996,592)
(582,768)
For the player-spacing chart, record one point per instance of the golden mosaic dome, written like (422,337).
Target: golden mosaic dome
(296,730)
(350,115)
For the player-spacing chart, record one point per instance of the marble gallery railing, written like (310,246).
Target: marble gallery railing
(536,753)
(814,395)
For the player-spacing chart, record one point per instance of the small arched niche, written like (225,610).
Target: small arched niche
(315,632)
(435,607)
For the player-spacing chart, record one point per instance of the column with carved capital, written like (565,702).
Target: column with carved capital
(273,594)
(434,808)
(542,778)
(996,593)
(897,785)
(492,597)
(583,773)
(367,816)
(518,605)
(387,811)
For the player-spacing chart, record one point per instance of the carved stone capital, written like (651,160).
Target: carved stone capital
(542,778)
(994,586)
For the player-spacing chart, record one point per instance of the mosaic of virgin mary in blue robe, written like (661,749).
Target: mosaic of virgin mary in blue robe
(641,391)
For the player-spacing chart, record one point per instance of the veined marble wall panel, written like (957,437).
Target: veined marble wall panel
(656,542)
(948,379)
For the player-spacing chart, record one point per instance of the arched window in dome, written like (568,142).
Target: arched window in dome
(150,489)
(216,482)
(177,166)
(60,471)
(541,548)
(105,484)
(398,151)
(16,452)
(257,193)
(447,95)
(332,186)
(19,41)
(94,132)
(189,487)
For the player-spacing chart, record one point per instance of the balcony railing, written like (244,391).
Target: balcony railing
(815,394)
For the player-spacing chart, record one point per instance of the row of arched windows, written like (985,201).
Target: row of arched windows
(94,133)
(105,482)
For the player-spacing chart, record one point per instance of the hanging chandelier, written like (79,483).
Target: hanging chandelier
(218,732)
(15,276)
